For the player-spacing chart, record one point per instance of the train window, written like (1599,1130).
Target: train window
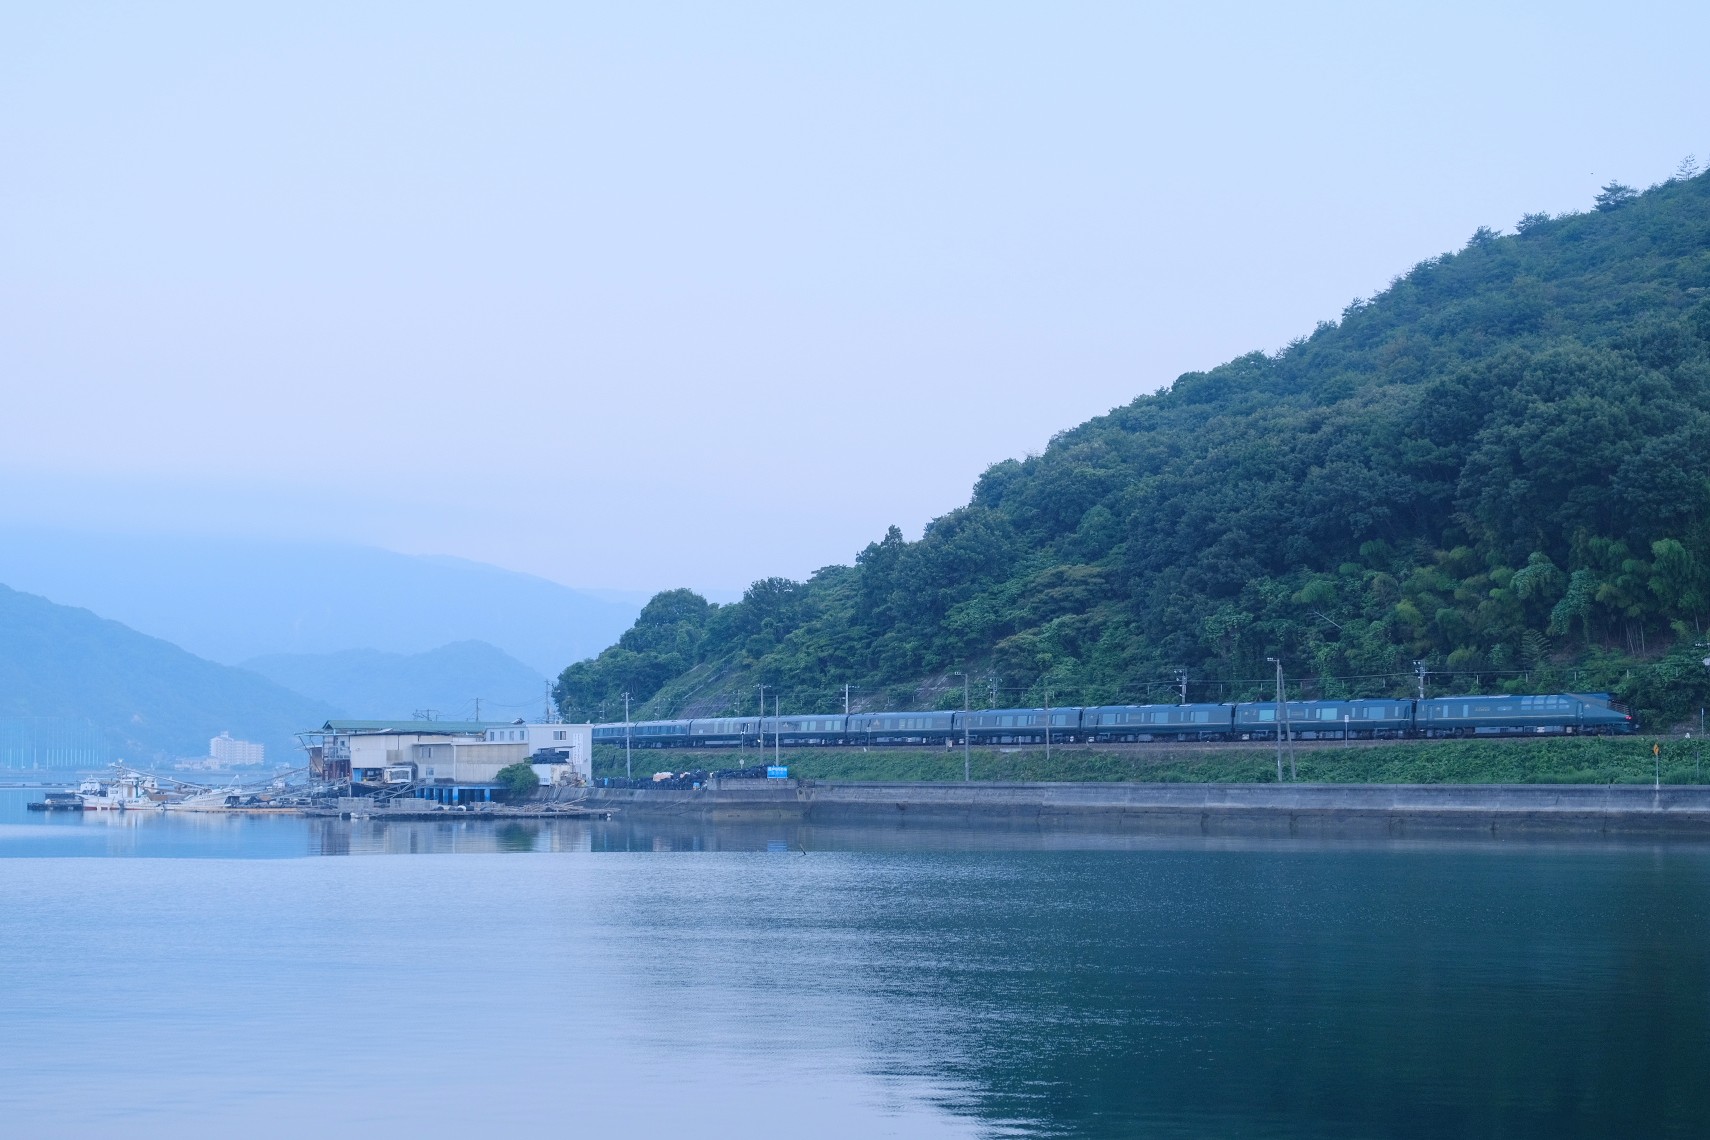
(1268,714)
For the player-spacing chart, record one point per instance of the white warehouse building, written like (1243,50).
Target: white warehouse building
(448,761)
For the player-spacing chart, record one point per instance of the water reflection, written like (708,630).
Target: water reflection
(769,979)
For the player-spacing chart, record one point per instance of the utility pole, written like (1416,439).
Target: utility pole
(1421,669)
(966,766)
(845,698)
(1288,727)
(1047,727)
(628,773)
(1281,714)
(776,735)
(762,723)
(967,763)
(1181,679)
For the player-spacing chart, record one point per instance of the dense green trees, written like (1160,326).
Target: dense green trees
(518,779)
(1501,465)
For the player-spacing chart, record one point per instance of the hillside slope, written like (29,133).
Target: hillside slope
(150,700)
(230,599)
(1499,466)
(368,684)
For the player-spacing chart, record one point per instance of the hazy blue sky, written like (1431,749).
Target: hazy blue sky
(637,295)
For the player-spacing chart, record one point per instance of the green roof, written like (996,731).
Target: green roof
(399,727)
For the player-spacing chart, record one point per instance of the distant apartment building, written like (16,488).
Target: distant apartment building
(228,753)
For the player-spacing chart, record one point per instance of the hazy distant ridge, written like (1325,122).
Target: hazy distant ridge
(368,683)
(151,699)
(235,599)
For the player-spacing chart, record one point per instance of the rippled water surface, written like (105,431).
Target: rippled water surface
(677,980)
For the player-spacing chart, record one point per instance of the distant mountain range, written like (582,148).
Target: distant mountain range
(461,681)
(149,700)
(232,600)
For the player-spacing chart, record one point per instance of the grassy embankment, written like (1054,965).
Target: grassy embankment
(1560,761)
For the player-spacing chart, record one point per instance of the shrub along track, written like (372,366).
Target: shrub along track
(1569,760)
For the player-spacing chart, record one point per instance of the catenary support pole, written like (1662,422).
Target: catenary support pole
(967,766)
(1277,661)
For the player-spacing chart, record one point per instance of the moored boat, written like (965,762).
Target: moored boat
(127,791)
(57,801)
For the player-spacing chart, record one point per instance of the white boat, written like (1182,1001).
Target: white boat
(126,791)
(214,799)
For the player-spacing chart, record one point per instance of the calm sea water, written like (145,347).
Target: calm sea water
(212,977)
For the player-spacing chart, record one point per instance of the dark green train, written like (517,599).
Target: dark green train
(1563,714)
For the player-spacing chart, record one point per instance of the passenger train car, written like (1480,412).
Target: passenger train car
(1382,719)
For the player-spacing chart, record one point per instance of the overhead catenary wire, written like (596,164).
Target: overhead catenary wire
(1304,682)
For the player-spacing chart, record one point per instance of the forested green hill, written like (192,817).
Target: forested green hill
(1500,466)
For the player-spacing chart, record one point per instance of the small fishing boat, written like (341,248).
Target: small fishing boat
(128,790)
(213,799)
(57,801)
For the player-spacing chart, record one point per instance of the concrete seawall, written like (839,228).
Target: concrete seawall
(1322,809)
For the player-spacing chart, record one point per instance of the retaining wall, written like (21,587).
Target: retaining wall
(1206,808)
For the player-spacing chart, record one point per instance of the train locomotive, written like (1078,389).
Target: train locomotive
(1565,714)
